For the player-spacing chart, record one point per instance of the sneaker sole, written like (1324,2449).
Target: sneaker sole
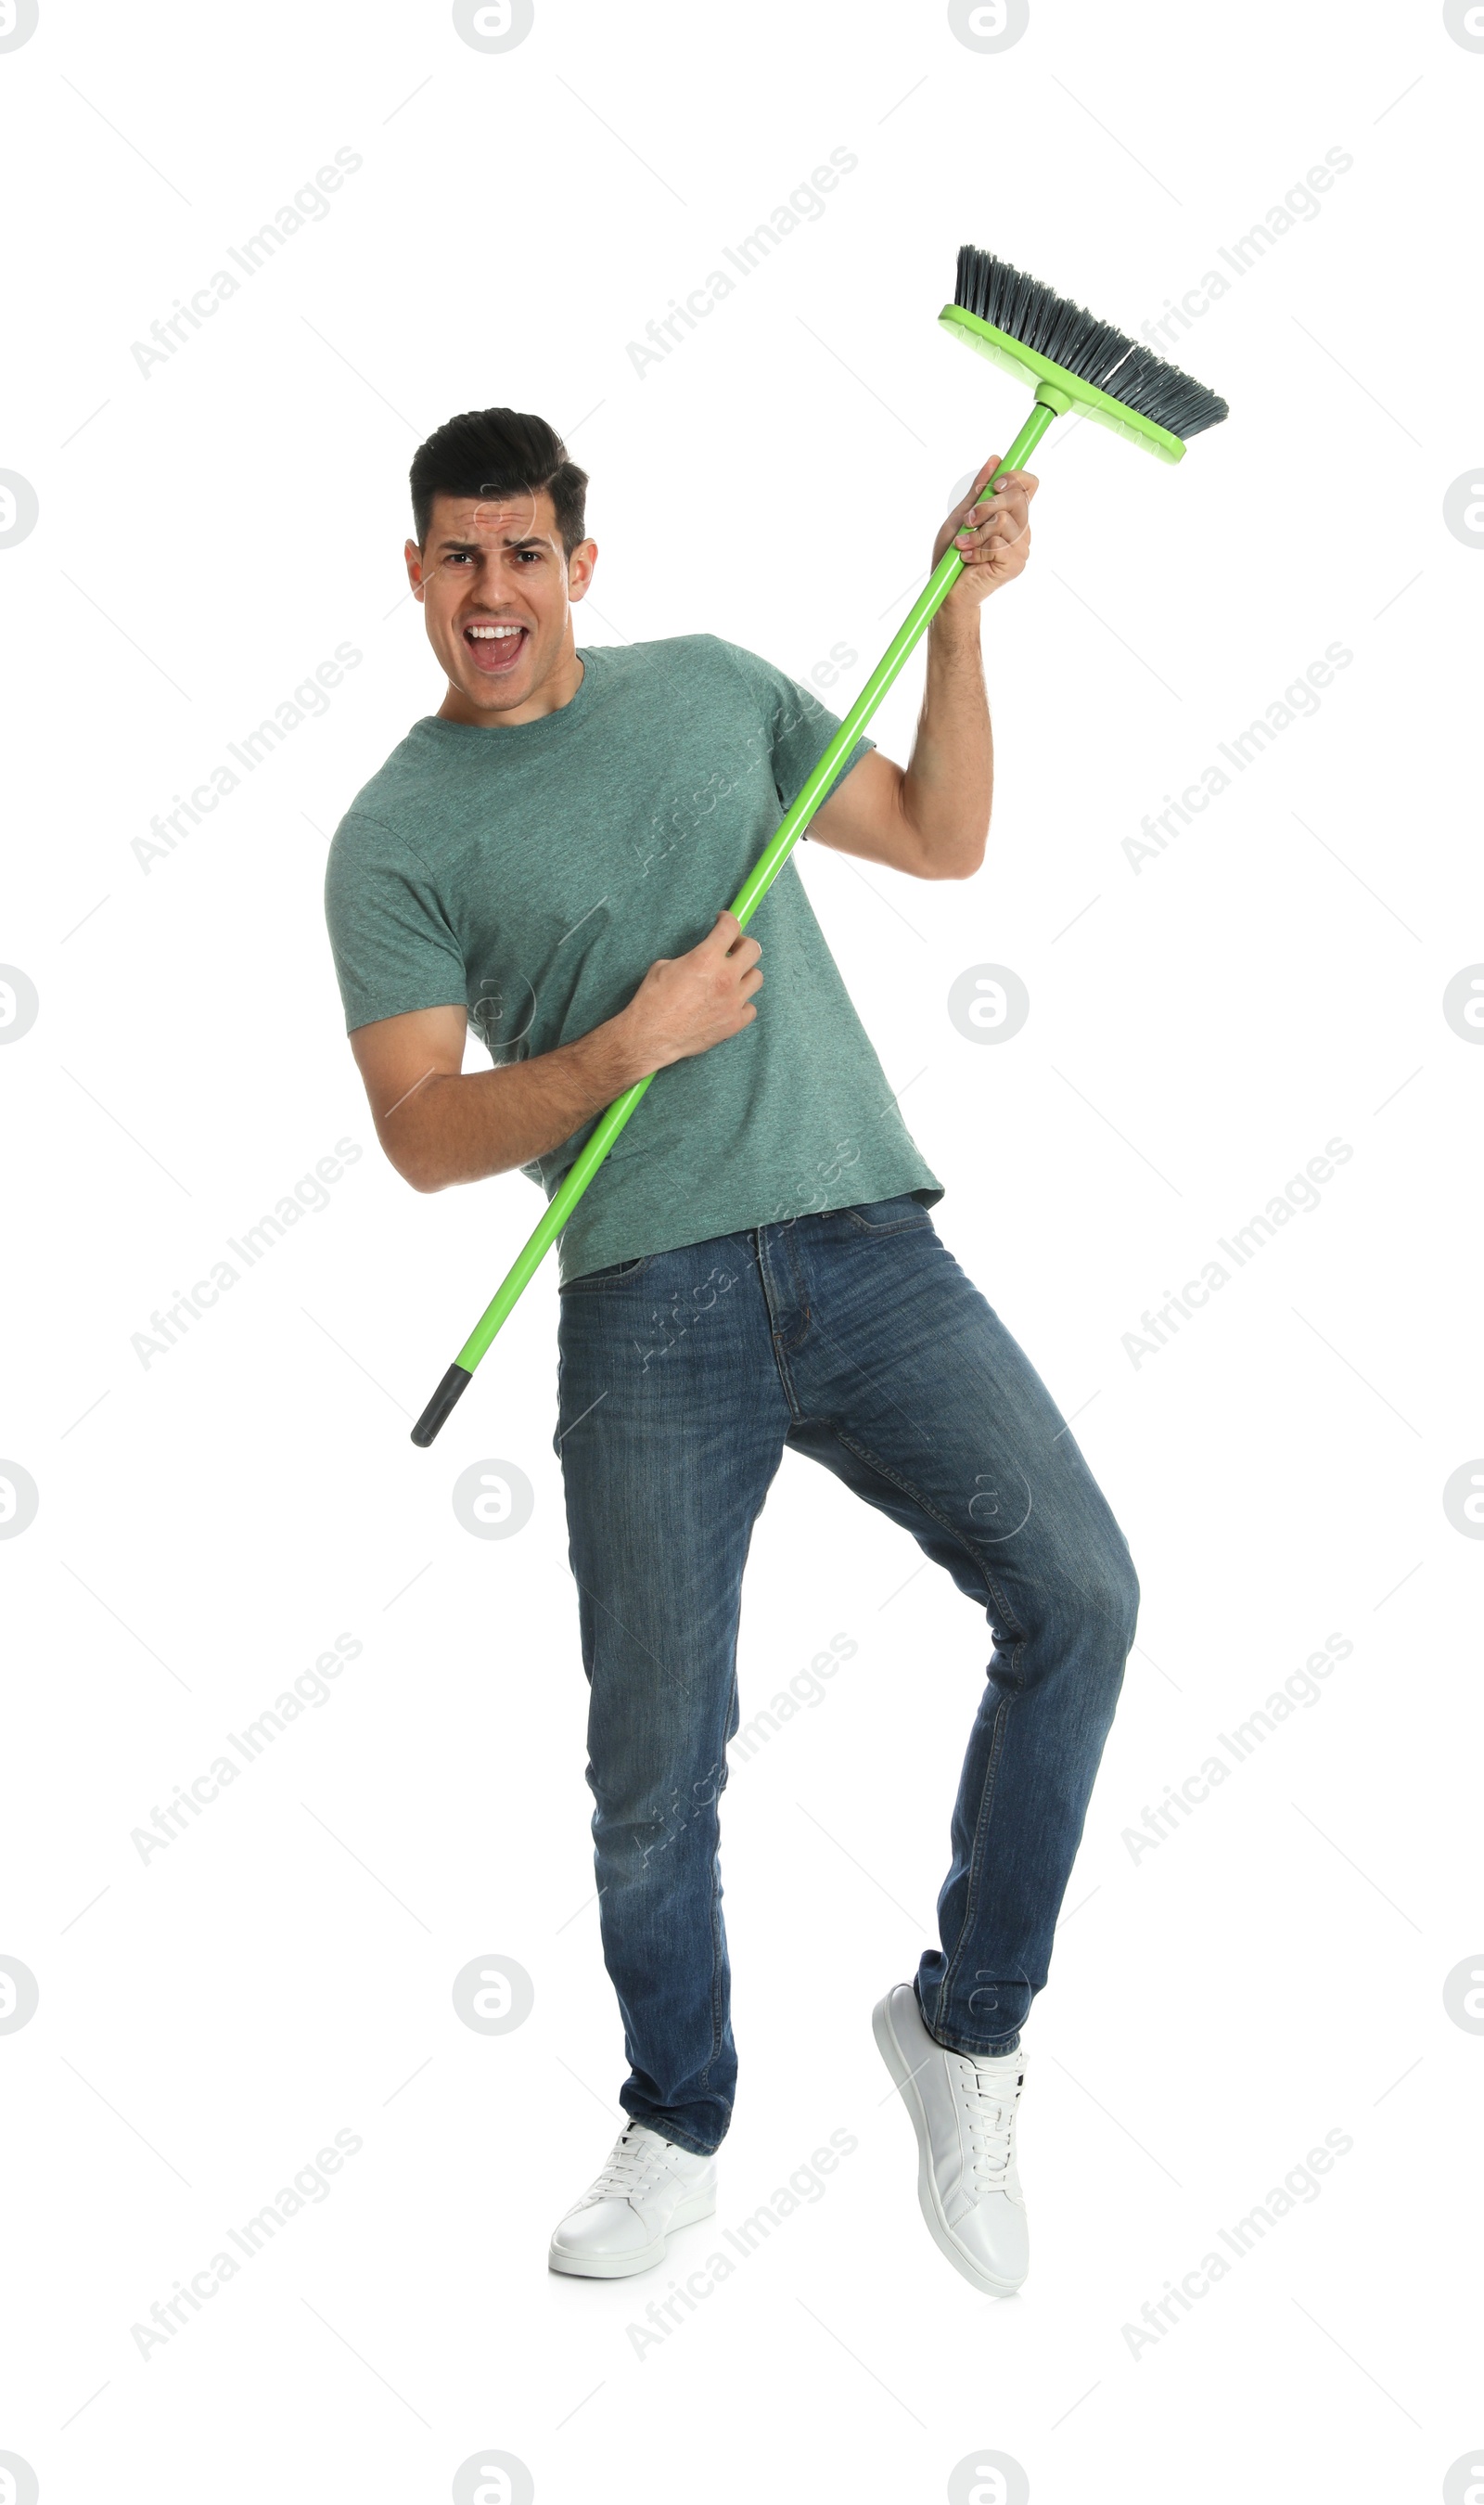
(699,2205)
(937,2225)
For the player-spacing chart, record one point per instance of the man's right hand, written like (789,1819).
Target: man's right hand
(440,1124)
(687,1003)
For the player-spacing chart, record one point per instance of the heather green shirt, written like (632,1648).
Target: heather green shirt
(532,873)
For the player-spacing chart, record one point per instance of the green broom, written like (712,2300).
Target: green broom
(1072,362)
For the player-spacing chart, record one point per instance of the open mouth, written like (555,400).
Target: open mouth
(496,645)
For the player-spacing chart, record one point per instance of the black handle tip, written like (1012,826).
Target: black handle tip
(445,1400)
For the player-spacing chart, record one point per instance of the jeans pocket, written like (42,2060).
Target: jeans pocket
(612,1276)
(894,1217)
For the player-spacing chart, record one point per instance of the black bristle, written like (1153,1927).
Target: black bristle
(1082,346)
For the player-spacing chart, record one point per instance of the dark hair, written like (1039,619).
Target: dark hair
(498,452)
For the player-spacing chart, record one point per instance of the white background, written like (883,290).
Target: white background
(1200,1026)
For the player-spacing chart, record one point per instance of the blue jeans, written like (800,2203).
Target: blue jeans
(854,1338)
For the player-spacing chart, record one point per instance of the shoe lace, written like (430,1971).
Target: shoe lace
(635,2165)
(990,2098)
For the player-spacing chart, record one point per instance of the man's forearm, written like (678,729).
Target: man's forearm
(949,785)
(459,1128)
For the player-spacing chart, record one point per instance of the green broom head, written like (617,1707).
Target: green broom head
(1072,361)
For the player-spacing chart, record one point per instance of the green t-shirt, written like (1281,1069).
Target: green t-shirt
(532,873)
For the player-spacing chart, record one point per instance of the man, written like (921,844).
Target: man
(754,1267)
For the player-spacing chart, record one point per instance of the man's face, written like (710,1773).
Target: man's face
(497,589)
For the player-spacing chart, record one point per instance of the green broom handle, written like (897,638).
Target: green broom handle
(745,904)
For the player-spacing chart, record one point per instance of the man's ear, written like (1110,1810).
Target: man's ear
(579,568)
(413,556)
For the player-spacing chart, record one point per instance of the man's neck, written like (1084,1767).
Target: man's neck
(556,690)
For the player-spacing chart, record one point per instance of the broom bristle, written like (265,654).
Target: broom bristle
(1082,346)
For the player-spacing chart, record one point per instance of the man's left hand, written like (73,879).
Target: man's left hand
(992,538)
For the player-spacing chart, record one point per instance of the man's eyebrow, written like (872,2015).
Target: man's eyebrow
(457,546)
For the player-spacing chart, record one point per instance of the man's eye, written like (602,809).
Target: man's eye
(534,555)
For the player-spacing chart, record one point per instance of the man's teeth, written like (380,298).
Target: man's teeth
(484,632)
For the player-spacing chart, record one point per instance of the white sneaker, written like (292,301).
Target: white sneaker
(648,2187)
(963,2109)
